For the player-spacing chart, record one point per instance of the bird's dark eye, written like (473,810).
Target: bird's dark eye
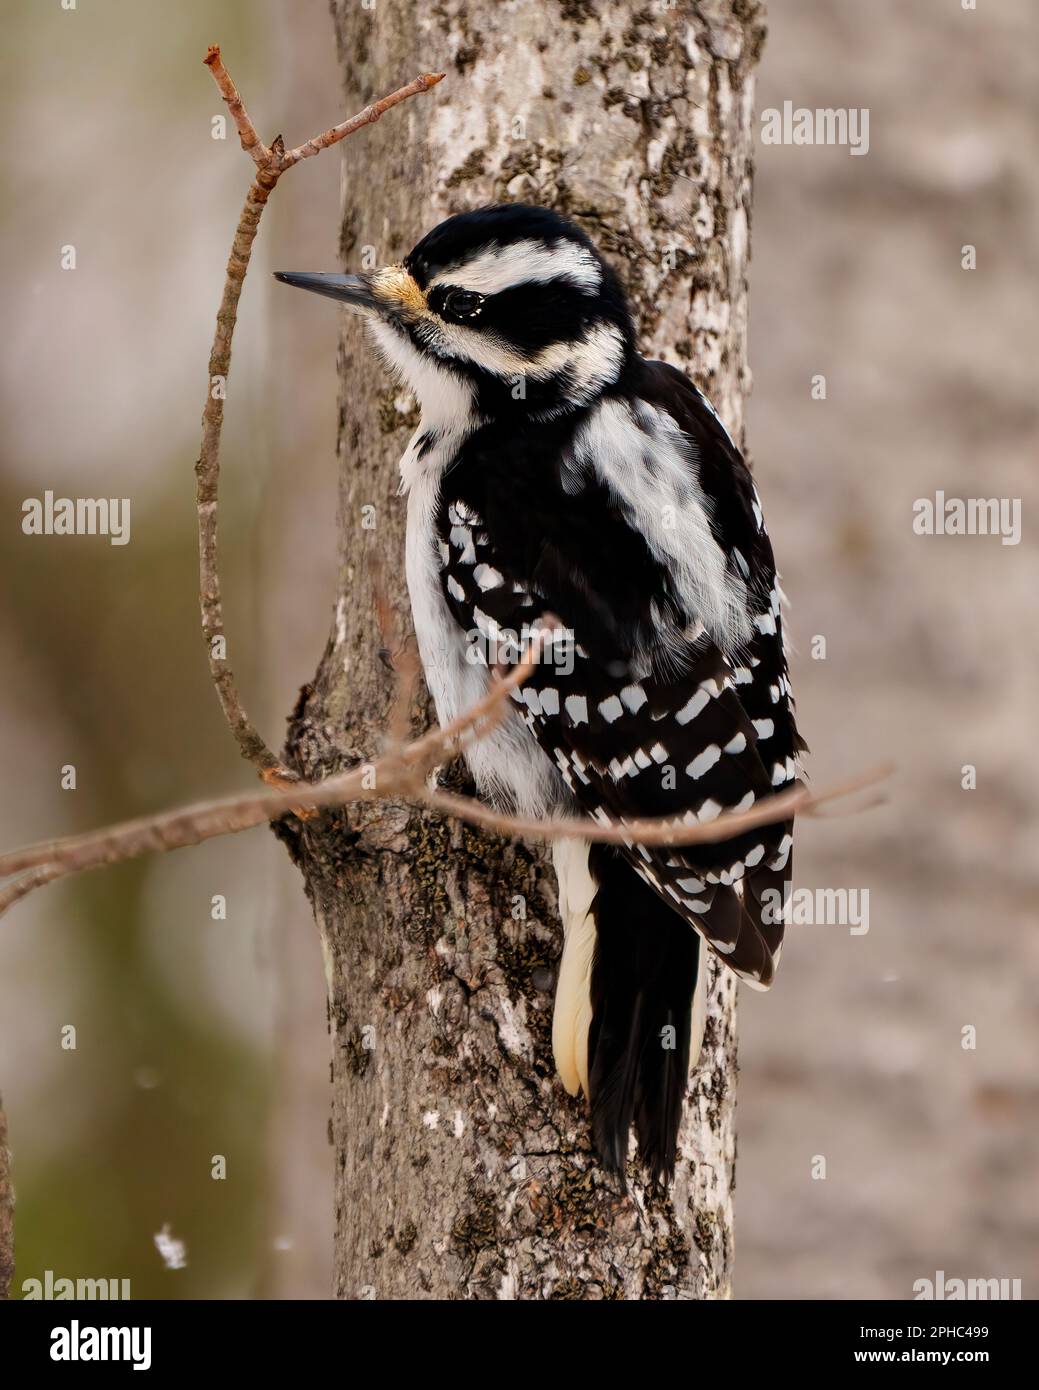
(463,303)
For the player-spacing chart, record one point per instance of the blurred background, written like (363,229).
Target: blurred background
(198,1037)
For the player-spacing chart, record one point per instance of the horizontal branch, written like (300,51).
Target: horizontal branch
(392,777)
(657,830)
(207,820)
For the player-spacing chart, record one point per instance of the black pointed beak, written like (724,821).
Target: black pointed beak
(348,289)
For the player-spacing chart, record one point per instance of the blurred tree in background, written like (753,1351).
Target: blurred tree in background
(187,1030)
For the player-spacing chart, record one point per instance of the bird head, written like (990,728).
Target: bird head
(512,303)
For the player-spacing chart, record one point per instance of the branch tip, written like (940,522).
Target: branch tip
(271,163)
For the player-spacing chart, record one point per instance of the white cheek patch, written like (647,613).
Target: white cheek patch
(592,362)
(446,400)
(522,262)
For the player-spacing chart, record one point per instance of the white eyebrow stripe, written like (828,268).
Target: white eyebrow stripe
(519,263)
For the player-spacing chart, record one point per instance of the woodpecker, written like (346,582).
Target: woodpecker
(557,471)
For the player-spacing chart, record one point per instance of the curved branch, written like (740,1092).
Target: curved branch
(271,164)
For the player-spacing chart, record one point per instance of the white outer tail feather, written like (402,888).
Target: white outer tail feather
(572,1015)
(698,1022)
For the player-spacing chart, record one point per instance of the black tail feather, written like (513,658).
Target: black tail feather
(643,980)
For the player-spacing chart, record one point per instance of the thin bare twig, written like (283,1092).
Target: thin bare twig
(664,830)
(441,744)
(251,142)
(188,825)
(191,825)
(368,116)
(24,884)
(396,775)
(271,163)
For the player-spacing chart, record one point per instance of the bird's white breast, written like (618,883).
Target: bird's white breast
(507,764)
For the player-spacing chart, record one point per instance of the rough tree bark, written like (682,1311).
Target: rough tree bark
(462,1168)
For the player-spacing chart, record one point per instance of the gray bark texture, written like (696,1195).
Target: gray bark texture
(463,1169)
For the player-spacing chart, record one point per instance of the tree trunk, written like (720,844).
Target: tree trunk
(463,1170)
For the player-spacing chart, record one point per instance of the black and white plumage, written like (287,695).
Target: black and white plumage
(557,471)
